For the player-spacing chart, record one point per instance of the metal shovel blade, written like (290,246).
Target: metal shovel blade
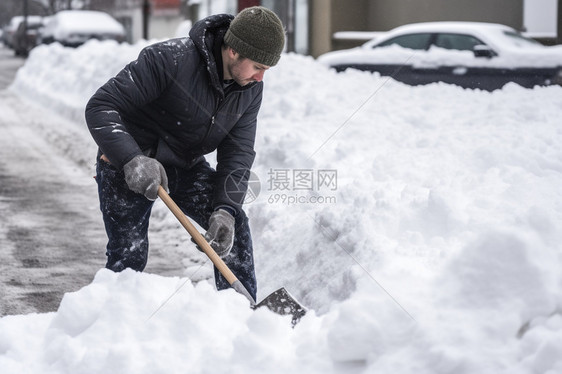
(283,303)
(280,301)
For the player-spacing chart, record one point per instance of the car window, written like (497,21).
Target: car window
(460,42)
(411,41)
(519,40)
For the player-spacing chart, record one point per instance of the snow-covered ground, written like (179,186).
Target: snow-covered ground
(419,225)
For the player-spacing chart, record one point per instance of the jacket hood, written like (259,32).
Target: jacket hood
(205,34)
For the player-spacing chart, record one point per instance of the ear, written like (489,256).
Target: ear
(232,53)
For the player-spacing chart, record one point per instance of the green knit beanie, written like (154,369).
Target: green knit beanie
(257,33)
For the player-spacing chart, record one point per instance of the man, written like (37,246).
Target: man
(157,118)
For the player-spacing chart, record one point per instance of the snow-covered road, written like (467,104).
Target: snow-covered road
(50,238)
(51,232)
(9,64)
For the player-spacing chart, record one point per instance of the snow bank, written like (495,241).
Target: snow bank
(65,78)
(434,248)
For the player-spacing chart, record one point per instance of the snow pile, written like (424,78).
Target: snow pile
(126,329)
(435,249)
(65,78)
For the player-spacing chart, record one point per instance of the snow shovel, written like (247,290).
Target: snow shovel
(280,301)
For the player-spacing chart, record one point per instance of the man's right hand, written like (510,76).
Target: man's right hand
(144,174)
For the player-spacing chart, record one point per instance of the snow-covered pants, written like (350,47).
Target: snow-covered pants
(126,215)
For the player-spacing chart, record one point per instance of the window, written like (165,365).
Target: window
(411,41)
(457,41)
(519,40)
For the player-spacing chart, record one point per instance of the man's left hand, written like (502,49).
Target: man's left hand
(220,234)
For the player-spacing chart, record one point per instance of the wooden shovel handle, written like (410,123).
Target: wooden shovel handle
(196,235)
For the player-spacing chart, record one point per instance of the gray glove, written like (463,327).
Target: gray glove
(220,234)
(144,174)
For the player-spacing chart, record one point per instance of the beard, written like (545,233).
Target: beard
(235,68)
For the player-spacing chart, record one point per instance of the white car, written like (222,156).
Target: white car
(10,29)
(469,54)
(74,27)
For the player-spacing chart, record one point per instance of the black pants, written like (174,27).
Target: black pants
(126,215)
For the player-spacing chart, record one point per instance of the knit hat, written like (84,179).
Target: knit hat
(257,33)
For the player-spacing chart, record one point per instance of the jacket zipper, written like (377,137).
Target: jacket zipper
(219,106)
(211,125)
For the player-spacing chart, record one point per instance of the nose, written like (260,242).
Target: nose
(258,77)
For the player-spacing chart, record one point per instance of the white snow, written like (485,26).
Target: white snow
(438,251)
(86,22)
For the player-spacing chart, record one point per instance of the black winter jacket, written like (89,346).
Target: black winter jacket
(170,103)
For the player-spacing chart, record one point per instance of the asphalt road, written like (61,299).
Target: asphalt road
(44,249)
(9,64)
(52,239)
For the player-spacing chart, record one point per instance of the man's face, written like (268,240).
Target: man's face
(244,71)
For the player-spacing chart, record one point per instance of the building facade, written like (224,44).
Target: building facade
(328,17)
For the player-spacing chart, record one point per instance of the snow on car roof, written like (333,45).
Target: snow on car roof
(15,21)
(451,25)
(496,35)
(88,21)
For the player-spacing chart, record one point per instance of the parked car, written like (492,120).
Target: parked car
(10,29)
(468,54)
(74,27)
(25,37)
